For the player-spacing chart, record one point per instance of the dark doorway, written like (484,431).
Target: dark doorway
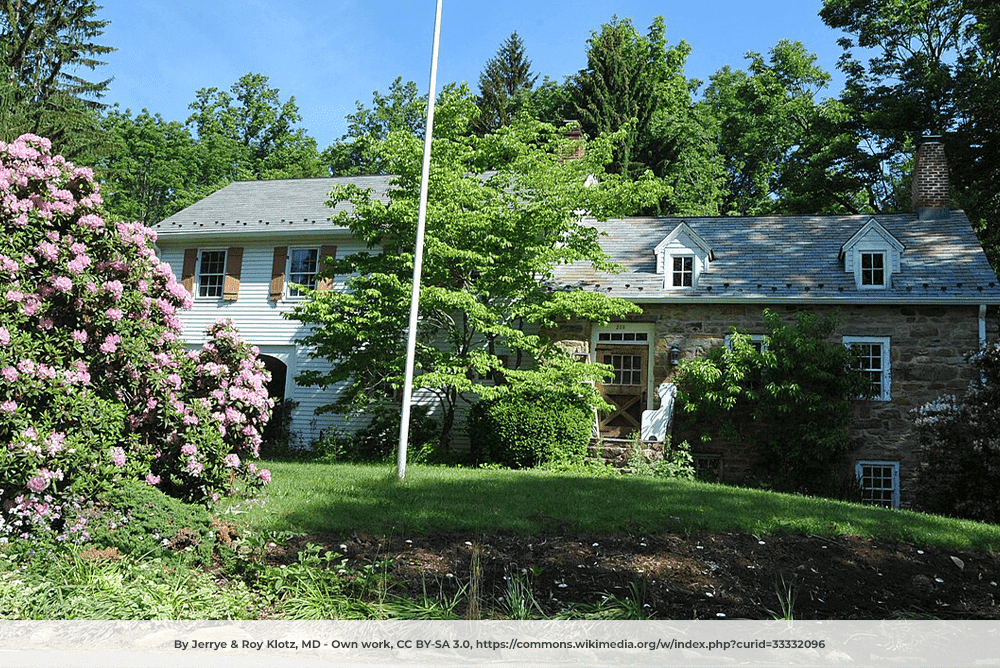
(278,369)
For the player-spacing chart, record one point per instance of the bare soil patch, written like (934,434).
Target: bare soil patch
(731,575)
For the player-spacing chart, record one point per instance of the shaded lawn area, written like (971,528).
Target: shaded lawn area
(344,498)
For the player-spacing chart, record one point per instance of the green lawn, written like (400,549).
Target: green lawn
(342,498)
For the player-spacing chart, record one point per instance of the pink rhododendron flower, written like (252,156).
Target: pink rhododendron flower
(152,479)
(114,314)
(48,250)
(79,335)
(8,407)
(9,374)
(194,466)
(4,336)
(232,460)
(110,343)
(62,283)
(265,475)
(189,450)
(38,483)
(118,457)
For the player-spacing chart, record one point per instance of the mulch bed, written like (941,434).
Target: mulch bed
(730,575)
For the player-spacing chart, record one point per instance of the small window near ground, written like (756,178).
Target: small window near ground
(879,482)
(873,270)
(211,273)
(303,265)
(683,274)
(708,467)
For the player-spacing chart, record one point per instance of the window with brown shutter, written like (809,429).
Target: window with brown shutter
(234,264)
(278,273)
(325,283)
(187,272)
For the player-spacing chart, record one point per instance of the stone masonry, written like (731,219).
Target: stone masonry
(928,345)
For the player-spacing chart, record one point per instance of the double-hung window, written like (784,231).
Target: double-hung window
(683,272)
(211,272)
(303,266)
(872,359)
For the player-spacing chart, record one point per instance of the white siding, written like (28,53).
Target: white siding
(261,322)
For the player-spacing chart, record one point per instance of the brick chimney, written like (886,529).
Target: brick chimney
(931,198)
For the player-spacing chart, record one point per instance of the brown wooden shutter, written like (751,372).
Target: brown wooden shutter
(278,273)
(326,282)
(234,264)
(187,272)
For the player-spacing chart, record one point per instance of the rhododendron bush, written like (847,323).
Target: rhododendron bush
(95,384)
(960,472)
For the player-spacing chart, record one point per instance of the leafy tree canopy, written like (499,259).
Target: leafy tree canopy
(249,133)
(503,211)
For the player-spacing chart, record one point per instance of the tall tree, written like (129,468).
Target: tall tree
(249,133)
(151,170)
(635,83)
(403,110)
(501,83)
(43,47)
(490,250)
(782,146)
(928,66)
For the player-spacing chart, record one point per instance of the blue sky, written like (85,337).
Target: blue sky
(329,54)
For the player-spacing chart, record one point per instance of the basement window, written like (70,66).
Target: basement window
(879,482)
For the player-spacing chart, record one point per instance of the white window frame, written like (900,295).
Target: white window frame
(762,339)
(290,291)
(690,272)
(862,271)
(893,489)
(885,393)
(643,335)
(200,275)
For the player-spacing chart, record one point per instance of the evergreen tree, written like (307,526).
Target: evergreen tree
(43,46)
(505,77)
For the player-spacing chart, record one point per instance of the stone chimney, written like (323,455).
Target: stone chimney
(931,198)
(574,133)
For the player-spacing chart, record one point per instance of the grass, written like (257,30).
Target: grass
(121,576)
(317,497)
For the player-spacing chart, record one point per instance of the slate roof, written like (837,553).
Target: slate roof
(260,207)
(786,258)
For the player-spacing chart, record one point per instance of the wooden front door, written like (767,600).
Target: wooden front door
(626,392)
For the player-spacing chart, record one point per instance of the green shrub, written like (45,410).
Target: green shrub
(379,439)
(527,427)
(790,402)
(673,462)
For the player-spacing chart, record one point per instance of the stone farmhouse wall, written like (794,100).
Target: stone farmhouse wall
(928,345)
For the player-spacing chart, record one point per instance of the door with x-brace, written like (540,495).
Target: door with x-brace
(626,391)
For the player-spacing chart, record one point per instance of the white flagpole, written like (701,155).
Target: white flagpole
(418,258)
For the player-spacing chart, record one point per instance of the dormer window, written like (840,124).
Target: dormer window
(682,257)
(872,269)
(683,274)
(873,256)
